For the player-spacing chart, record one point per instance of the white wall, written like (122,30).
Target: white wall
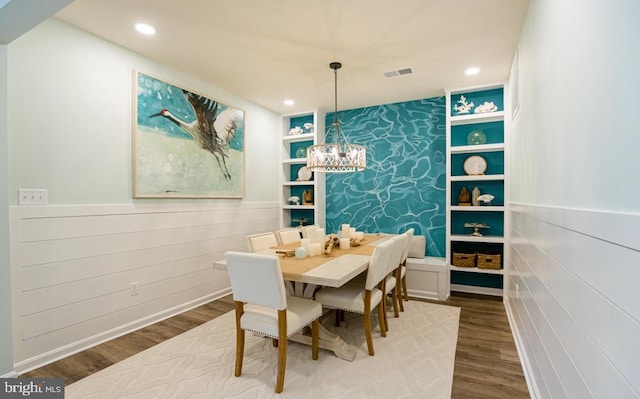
(6,351)
(575,257)
(69,130)
(576,139)
(70,118)
(73,267)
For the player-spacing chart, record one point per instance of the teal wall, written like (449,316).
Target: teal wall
(405,180)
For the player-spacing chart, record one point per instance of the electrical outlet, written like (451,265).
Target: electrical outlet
(133,288)
(32,196)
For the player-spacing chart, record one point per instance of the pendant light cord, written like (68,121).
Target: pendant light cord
(336,123)
(335,96)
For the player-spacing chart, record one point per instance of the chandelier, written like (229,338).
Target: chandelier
(334,157)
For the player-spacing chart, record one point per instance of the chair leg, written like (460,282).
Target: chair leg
(315,338)
(394,300)
(239,339)
(398,288)
(282,349)
(404,288)
(383,327)
(367,321)
(383,303)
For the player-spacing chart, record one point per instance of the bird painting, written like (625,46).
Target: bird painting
(212,129)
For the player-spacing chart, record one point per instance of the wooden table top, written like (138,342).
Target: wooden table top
(331,270)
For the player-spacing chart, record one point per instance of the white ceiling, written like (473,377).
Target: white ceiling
(266,51)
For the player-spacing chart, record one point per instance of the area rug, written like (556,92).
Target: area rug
(415,360)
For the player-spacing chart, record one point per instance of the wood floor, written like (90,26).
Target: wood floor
(486,365)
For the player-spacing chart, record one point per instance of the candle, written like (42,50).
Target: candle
(320,236)
(316,249)
(306,244)
(346,231)
(345,243)
(352,232)
(301,253)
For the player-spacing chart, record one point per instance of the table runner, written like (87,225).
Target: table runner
(293,267)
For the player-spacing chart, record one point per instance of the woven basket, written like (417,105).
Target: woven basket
(487,261)
(464,260)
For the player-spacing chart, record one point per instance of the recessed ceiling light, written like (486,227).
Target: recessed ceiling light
(289,102)
(472,71)
(145,29)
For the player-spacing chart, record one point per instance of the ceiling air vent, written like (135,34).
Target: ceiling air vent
(398,72)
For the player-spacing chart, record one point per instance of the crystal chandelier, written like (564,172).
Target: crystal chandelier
(333,157)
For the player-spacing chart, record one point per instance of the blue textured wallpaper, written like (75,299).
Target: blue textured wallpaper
(405,180)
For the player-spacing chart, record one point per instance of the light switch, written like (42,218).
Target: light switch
(32,196)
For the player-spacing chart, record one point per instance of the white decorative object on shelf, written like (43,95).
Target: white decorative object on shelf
(476,228)
(308,127)
(486,107)
(464,106)
(475,165)
(304,174)
(486,198)
(294,200)
(475,194)
(295,130)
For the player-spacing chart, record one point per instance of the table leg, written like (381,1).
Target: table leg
(329,341)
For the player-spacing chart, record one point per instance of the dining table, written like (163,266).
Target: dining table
(303,276)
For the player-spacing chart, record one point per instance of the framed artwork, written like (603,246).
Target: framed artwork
(185,144)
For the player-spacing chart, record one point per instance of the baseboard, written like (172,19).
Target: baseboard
(522,354)
(12,374)
(471,289)
(79,346)
(424,294)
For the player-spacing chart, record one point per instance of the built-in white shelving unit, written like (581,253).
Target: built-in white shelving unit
(293,159)
(491,148)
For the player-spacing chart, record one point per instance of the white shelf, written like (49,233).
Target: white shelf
(291,161)
(483,208)
(298,207)
(468,119)
(475,270)
(469,149)
(477,177)
(298,183)
(470,238)
(292,138)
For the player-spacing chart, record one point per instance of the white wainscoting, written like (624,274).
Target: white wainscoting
(575,311)
(72,268)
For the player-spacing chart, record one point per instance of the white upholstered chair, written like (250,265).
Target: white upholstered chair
(262,241)
(391,284)
(256,279)
(286,236)
(401,275)
(358,298)
(307,229)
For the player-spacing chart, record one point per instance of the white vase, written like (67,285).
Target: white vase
(474,196)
